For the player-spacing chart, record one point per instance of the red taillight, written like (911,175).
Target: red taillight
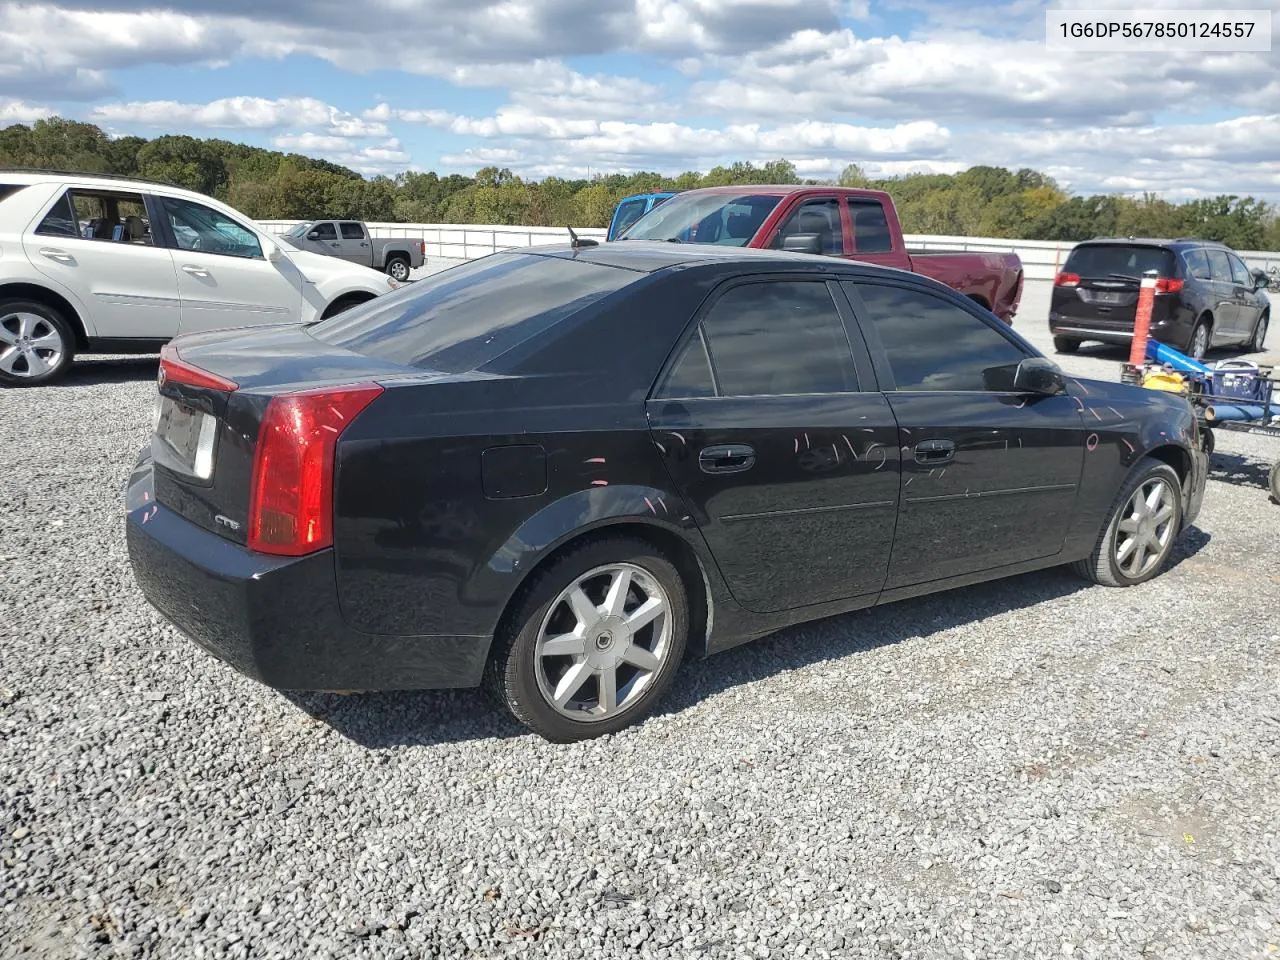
(291,500)
(175,370)
(1168,285)
(422,245)
(1067,280)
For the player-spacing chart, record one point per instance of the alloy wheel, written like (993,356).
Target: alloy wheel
(1145,529)
(30,345)
(604,640)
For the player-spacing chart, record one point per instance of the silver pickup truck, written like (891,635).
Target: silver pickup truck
(350,240)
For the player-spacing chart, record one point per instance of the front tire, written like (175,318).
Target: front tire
(1141,528)
(593,642)
(36,343)
(1257,343)
(398,269)
(1065,345)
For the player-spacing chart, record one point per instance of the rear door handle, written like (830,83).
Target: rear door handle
(53,253)
(727,458)
(935,451)
(194,270)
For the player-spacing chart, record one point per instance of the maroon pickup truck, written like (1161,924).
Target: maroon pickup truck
(835,221)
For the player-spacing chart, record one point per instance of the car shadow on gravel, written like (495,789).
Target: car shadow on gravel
(1240,471)
(89,373)
(420,718)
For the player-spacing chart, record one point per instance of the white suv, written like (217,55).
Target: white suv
(97,264)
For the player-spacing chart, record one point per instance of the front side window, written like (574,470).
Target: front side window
(1239,272)
(870,227)
(197,227)
(932,344)
(99,215)
(352,231)
(768,339)
(820,218)
(323,231)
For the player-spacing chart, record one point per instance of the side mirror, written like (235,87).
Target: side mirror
(1040,376)
(313,235)
(1261,279)
(1034,375)
(803,243)
(274,254)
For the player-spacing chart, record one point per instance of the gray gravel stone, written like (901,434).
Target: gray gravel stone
(896,783)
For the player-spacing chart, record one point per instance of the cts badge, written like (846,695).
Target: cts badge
(227,522)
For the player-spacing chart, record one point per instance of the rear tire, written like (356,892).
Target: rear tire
(1065,345)
(1200,340)
(398,269)
(568,663)
(1141,529)
(37,344)
(1257,343)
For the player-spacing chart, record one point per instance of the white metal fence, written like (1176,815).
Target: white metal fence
(467,241)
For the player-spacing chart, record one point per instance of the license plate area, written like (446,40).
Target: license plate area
(1107,298)
(186,437)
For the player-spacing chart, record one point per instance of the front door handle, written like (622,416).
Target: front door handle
(727,458)
(53,253)
(935,451)
(194,270)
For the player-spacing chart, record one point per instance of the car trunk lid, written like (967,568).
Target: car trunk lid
(214,391)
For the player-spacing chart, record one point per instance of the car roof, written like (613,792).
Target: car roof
(649,256)
(105,181)
(1152,242)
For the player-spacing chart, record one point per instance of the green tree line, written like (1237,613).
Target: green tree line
(270,185)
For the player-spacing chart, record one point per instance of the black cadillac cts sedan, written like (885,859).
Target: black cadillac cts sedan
(560,471)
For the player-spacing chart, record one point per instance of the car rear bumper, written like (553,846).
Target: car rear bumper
(276,619)
(1168,331)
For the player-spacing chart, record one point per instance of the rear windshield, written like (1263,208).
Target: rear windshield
(9,189)
(1104,260)
(464,317)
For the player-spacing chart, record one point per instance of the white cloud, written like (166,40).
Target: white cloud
(249,113)
(15,111)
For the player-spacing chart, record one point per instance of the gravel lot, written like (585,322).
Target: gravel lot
(1027,768)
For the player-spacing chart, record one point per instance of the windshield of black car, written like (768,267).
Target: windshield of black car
(1110,261)
(464,317)
(722,218)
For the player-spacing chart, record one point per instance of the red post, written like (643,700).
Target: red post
(1142,322)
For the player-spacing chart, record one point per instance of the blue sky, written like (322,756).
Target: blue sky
(570,86)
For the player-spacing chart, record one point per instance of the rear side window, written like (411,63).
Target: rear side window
(464,317)
(99,215)
(1220,266)
(352,231)
(1198,264)
(932,344)
(767,339)
(1101,261)
(870,227)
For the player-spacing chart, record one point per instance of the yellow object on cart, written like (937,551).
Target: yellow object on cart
(1165,380)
